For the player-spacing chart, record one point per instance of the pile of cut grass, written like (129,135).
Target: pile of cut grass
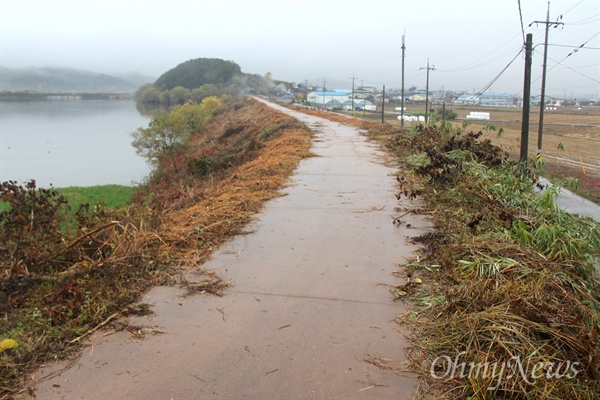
(513,305)
(510,304)
(52,299)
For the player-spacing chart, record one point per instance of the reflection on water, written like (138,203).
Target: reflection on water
(70,143)
(151,109)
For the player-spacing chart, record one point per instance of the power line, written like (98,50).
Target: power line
(571,46)
(570,54)
(584,21)
(587,66)
(521,18)
(482,91)
(492,61)
(577,72)
(493,52)
(572,7)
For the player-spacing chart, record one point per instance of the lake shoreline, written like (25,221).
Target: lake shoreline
(71,142)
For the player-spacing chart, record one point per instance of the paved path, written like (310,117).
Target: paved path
(575,204)
(305,309)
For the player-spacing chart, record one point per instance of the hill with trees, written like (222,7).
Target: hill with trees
(194,73)
(197,79)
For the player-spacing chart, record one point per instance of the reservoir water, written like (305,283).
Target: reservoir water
(70,143)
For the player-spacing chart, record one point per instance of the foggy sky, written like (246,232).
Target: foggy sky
(468,42)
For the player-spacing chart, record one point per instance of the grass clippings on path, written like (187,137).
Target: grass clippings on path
(509,305)
(53,294)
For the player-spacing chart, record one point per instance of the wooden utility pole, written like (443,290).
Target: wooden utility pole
(362,86)
(526,100)
(427,91)
(402,94)
(383,105)
(353,79)
(305,90)
(543,94)
(324,82)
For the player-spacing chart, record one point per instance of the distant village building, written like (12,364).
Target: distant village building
(467,99)
(418,97)
(364,91)
(359,104)
(496,99)
(330,100)
(338,100)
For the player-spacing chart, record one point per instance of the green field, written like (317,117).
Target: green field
(111,196)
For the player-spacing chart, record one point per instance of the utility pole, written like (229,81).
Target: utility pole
(526,101)
(353,78)
(383,105)
(427,91)
(305,90)
(443,110)
(543,94)
(324,82)
(362,87)
(402,94)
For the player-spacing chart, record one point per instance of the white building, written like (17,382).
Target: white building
(467,99)
(330,100)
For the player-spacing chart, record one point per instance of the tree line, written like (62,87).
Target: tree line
(198,79)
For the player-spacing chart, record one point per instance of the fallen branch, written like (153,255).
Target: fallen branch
(106,321)
(88,234)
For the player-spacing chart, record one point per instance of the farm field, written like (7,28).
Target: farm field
(570,145)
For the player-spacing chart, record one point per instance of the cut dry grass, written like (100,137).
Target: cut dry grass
(225,208)
(510,304)
(91,278)
(516,287)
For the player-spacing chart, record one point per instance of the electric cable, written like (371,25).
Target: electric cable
(584,21)
(571,8)
(521,18)
(570,54)
(567,67)
(478,94)
(471,65)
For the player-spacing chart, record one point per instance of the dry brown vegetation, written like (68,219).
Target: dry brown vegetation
(570,146)
(506,279)
(53,295)
(570,142)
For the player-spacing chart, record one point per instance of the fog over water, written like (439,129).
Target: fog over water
(469,42)
(70,143)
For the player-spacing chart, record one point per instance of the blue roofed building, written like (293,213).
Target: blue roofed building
(496,99)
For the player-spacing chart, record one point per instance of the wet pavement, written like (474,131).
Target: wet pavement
(307,307)
(575,204)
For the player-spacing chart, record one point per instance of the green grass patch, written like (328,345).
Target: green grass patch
(113,197)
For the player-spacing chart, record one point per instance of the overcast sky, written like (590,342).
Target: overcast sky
(468,42)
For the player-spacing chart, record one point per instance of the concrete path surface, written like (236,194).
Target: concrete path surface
(306,308)
(575,204)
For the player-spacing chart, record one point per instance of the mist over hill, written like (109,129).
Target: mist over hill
(201,71)
(67,80)
(137,78)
